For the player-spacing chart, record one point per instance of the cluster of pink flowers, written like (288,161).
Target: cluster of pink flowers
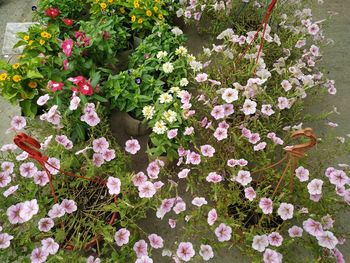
(90,116)
(102,152)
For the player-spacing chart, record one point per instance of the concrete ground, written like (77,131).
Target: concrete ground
(336,62)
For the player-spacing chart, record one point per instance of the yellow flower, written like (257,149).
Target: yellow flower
(103,5)
(140,21)
(148,12)
(42,42)
(16,78)
(3,76)
(15,66)
(160,16)
(48,35)
(32,84)
(43,34)
(110,1)
(122,10)
(133,18)
(30,42)
(157,1)
(136,5)
(26,38)
(155,9)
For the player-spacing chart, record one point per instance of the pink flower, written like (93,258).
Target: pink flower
(167,204)
(28,170)
(132,146)
(230,95)
(69,206)
(327,239)
(194,158)
(108,155)
(285,211)
(67,47)
(50,246)
(185,251)
(10,191)
(13,214)
(98,159)
(220,134)
(313,227)
(313,29)
(7,167)
(100,145)
(267,109)
(42,100)
(213,177)
(286,85)
(180,206)
(74,103)
(327,222)
(228,108)
(91,119)
(199,201)
(315,187)
(147,190)
(302,174)
(260,146)
(183,173)
(172,223)
(271,256)
(153,170)
(5,179)
(156,241)
(266,205)
(41,178)
(212,217)
(243,177)
(207,150)
(172,133)
(5,240)
(121,237)
(139,178)
(249,107)
(38,255)
(140,248)
(55,86)
(91,259)
(54,166)
(275,239)
(65,64)
(260,243)
(18,123)
(201,77)
(223,232)
(206,252)
(295,231)
(250,193)
(144,259)
(29,209)
(113,185)
(283,103)
(218,112)
(45,224)
(338,178)
(189,131)
(254,138)
(56,211)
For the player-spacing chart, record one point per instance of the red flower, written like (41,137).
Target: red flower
(52,12)
(84,85)
(68,21)
(105,35)
(55,86)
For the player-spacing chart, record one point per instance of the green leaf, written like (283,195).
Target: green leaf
(34,74)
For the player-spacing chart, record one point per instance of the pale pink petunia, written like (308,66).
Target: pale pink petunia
(121,237)
(147,190)
(230,95)
(41,178)
(201,77)
(243,177)
(69,206)
(56,211)
(140,248)
(45,224)
(13,214)
(167,204)
(338,178)
(53,166)
(38,255)
(5,179)
(189,131)
(132,146)
(172,133)
(29,209)
(158,185)
(108,155)
(74,103)
(91,259)
(98,159)
(156,241)
(338,256)
(100,145)
(271,256)
(10,190)
(179,207)
(229,110)
(22,156)
(139,179)
(254,138)
(218,112)
(206,252)
(220,134)
(5,240)
(260,243)
(267,109)
(223,232)
(260,146)
(144,259)
(313,29)
(302,174)
(28,170)
(232,162)
(153,170)
(42,100)
(315,187)
(185,251)
(212,217)
(327,240)
(18,123)
(250,193)
(8,147)
(183,173)
(194,158)
(249,107)
(113,185)
(275,239)
(199,201)
(285,211)
(295,231)
(207,150)
(91,118)
(7,167)
(283,103)
(49,245)
(213,177)
(313,227)
(327,221)
(266,205)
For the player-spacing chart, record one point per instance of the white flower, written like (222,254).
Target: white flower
(168,67)
(183,82)
(182,51)
(230,95)
(148,112)
(285,211)
(165,98)
(249,107)
(176,31)
(160,127)
(162,54)
(174,90)
(170,116)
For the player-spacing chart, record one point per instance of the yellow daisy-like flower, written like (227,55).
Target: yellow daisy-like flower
(140,21)
(155,9)
(41,42)
(30,42)
(122,10)
(160,16)
(48,35)
(3,76)
(32,84)
(16,78)
(133,18)
(136,5)
(15,66)
(110,1)
(148,13)
(103,5)
(26,38)
(43,34)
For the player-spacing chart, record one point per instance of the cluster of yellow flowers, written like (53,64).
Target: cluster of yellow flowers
(44,35)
